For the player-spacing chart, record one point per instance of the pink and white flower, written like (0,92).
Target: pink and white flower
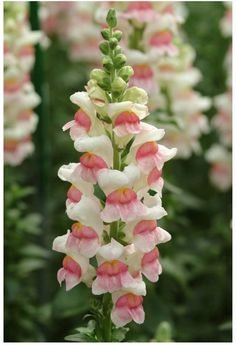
(82,239)
(122,201)
(147,153)
(85,121)
(98,155)
(112,272)
(127,308)
(221,166)
(139,12)
(126,117)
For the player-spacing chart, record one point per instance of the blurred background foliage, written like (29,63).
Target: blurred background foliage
(192,300)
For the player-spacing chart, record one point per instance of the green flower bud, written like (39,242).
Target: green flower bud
(118,86)
(111,18)
(98,96)
(118,50)
(107,63)
(136,94)
(119,60)
(126,72)
(118,35)
(113,42)
(98,74)
(104,47)
(105,84)
(105,34)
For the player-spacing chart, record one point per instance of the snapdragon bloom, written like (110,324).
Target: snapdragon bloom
(108,198)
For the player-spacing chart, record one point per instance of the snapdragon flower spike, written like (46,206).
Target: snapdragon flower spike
(109,200)
(19,94)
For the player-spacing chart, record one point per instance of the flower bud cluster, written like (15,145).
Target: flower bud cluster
(112,244)
(219,155)
(19,95)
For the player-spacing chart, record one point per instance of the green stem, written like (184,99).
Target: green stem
(107,325)
(168,101)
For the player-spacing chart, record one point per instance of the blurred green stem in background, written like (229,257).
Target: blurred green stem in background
(42,143)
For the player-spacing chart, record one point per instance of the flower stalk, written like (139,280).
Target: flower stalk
(120,155)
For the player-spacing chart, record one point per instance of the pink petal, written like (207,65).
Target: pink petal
(152,271)
(110,213)
(71,280)
(137,314)
(68,125)
(121,316)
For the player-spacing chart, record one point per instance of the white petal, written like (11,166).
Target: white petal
(166,153)
(87,278)
(116,108)
(100,146)
(133,173)
(83,101)
(164,236)
(148,133)
(87,212)
(112,250)
(110,180)
(59,243)
(71,174)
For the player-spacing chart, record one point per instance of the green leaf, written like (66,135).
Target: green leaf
(28,265)
(33,250)
(74,302)
(119,334)
(127,149)
(163,333)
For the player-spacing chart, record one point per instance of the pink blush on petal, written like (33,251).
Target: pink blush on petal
(82,120)
(83,240)
(70,272)
(90,165)
(154,176)
(74,195)
(150,265)
(127,122)
(122,204)
(111,276)
(161,38)
(127,308)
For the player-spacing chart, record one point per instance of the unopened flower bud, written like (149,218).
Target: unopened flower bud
(126,72)
(119,60)
(97,74)
(111,18)
(136,94)
(104,47)
(118,86)
(118,50)
(105,84)
(113,42)
(118,35)
(107,63)
(105,34)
